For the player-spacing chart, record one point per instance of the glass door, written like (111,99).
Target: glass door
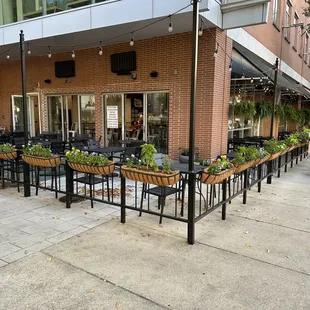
(57,116)
(134,116)
(18,113)
(156,123)
(87,115)
(113,118)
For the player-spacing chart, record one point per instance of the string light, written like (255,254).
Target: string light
(261,80)
(49,52)
(252,80)
(216,49)
(73,53)
(132,40)
(200,31)
(7,56)
(170,28)
(243,76)
(100,49)
(29,51)
(230,66)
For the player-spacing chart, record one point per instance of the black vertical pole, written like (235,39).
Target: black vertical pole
(224,208)
(274,96)
(192,175)
(25,110)
(123,199)
(245,185)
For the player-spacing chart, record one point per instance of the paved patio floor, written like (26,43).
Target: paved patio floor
(82,258)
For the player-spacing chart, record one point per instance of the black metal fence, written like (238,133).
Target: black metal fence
(163,202)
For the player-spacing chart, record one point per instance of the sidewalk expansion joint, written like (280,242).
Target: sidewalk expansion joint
(270,223)
(255,259)
(106,281)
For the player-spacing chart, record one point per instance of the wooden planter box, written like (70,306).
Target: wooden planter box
(42,161)
(208,178)
(275,155)
(8,155)
(261,160)
(105,170)
(156,178)
(241,167)
(291,148)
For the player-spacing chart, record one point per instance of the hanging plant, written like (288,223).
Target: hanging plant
(280,111)
(245,109)
(306,116)
(263,110)
(290,112)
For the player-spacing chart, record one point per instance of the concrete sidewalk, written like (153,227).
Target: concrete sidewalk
(258,259)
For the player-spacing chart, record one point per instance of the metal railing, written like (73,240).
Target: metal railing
(165,203)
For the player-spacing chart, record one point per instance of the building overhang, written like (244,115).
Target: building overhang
(242,13)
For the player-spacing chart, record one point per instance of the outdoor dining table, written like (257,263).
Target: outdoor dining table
(110,150)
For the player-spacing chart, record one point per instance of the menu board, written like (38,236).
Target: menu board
(112,116)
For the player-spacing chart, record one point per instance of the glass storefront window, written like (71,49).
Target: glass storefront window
(87,114)
(12,11)
(157,121)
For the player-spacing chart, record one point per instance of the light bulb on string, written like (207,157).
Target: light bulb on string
(170,28)
(132,40)
(243,76)
(200,32)
(29,51)
(252,80)
(7,56)
(100,49)
(49,55)
(261,80)
(73,53)
(230,66)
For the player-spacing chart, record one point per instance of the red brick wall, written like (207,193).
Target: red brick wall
(170,56)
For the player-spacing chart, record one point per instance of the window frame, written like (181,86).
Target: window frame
(287,20)
(275,13)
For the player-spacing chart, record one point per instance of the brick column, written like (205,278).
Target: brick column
(213,93)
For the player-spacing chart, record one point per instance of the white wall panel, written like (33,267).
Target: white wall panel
(120,12)
(71,21)
(32,30)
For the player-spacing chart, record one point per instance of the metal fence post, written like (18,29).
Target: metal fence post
(279,166)
(123,199)
(245,185)
(224,206)
(69,185)
(259,176)
(25,111)
(269,172)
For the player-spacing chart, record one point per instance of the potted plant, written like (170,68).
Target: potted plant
(245,109)
(146,170)
(263,110)
(86,162)
(40,156)
(263,156)
(245,158)
(217,171)
(7,152)
(184,154)
(274,148)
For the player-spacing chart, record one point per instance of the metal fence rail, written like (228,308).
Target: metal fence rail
(170,203)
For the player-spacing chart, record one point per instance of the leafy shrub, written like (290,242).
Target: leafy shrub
(6,148)
(219,165)
(273,146)
(83,157)
(37,150)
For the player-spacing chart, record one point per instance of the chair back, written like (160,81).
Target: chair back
(159,159)
(58,147)
(78,145)
(74,126)
(92,144)
(19,142)
(128,152)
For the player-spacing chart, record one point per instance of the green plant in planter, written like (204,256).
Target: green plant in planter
(6,148)
(245,154)
(37,150)
(84,158)
(273,146)
(166,165)
(219,165)
(291,140)
(148,152)
(303,135)
(262,152)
